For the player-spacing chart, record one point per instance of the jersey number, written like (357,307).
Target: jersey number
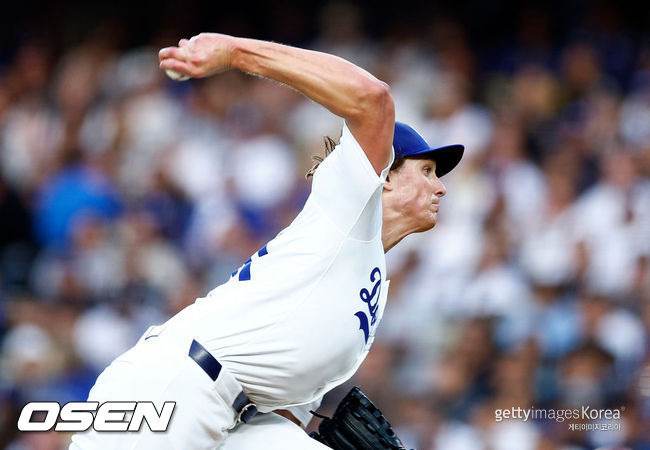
(245,270)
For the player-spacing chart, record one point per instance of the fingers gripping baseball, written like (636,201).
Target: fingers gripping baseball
(203,55)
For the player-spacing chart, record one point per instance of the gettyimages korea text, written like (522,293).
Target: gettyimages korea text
(596,418)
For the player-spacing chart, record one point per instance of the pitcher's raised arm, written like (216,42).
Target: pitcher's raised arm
(340,86)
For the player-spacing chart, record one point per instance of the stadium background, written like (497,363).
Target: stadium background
(124,196)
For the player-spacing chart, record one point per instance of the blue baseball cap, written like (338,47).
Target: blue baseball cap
(408,143)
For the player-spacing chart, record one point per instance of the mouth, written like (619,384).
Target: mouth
(435,206)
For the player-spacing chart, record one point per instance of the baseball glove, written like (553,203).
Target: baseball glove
(357,424)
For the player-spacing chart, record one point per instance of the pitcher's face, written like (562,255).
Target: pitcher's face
(418,191)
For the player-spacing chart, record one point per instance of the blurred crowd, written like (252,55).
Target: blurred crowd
(124,196)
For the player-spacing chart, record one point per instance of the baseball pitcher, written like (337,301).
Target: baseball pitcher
(300,315)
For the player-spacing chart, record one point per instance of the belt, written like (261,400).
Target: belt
(245,409)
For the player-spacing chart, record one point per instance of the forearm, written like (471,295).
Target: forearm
(345,89)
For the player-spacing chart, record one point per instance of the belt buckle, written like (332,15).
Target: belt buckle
(247,413)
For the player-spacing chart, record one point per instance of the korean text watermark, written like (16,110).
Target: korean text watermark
(608,417)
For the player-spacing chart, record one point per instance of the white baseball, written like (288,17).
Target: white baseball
(176,76)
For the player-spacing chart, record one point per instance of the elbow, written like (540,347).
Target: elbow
(381,97)
(375,100)
(378,91)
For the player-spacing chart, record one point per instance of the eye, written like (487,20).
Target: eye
(427,170)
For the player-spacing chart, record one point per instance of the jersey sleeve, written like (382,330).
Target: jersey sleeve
(345,183)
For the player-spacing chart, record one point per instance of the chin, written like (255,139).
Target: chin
(428,224)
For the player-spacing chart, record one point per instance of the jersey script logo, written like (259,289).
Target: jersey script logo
(245,270)
(372,300)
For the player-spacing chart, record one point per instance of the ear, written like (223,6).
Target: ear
(389,185)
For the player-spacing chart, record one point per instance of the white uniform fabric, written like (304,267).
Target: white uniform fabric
(299,317)
(201,417)
(302,412)
(270,432)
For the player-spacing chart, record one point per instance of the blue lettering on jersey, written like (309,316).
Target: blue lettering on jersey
(372,300)
(245,270)
(363,324)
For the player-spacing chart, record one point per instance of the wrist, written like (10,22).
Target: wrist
(235,51)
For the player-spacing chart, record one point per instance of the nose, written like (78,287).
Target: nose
(439,188)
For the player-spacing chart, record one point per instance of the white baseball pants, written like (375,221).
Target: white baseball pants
(156,371)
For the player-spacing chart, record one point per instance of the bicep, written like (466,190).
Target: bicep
(374,126)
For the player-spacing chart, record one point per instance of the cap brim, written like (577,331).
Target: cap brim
(446,157)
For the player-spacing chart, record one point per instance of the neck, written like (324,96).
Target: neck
(394,229)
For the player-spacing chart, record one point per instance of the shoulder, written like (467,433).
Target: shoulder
(350,155)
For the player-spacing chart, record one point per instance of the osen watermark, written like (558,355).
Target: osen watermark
(80,416)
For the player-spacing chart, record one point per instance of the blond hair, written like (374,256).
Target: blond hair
(329,148)
(330,144)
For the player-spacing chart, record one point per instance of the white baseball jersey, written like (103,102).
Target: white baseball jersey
(299,317)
